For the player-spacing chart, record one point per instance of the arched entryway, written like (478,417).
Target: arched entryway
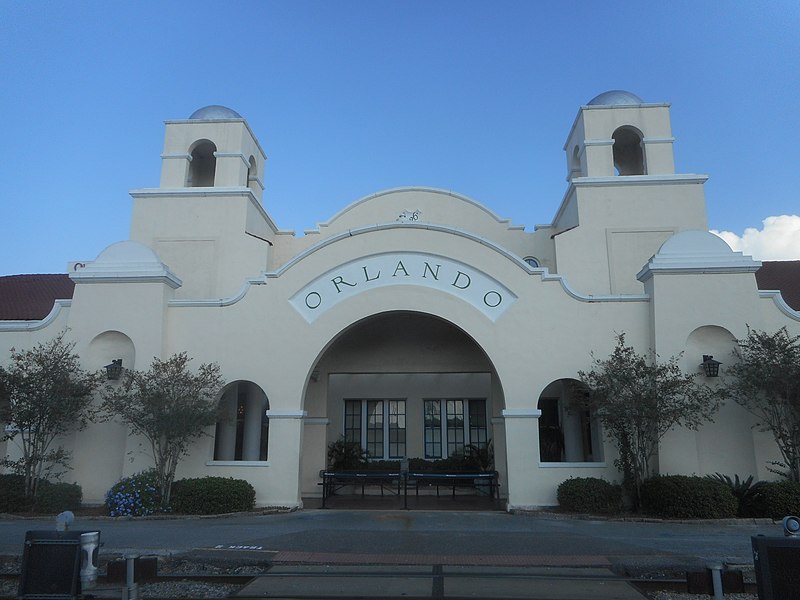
(403,385)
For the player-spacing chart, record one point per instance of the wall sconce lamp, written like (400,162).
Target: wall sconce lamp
(710,366)
(114,370)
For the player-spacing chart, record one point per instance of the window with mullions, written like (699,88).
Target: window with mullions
(453,424)
(378,425)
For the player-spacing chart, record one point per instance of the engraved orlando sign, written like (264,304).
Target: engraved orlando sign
(403,268)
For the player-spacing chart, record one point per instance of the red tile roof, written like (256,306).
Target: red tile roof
(781,275)
(31,297)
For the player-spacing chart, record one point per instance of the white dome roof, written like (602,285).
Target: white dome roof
(615,98)
(696,251)
(694,241)
(127,252)
(214,111)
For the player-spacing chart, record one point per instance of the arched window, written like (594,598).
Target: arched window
(203,165)
(532,261)
(567,430)
(242,431)
(628,151)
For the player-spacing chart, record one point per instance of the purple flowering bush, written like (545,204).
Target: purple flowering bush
(134,496)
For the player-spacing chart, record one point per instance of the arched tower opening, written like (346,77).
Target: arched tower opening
(628,151)
(252,173)
(203,166)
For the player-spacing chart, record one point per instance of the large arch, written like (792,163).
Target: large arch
(402,384)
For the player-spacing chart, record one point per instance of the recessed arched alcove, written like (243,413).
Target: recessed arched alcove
(242,430)
(568,431)
(403,384)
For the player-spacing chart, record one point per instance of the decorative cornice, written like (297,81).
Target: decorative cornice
(658,140)
(233,155)
(702,264)
(216,302)
(598,142)
(610,180)
(183,156)
(286,414)
(98,272)
(521,413)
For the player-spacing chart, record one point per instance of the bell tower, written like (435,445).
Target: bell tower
(624,198)
(214,147)
(206,220)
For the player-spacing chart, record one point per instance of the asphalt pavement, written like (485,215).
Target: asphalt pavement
(396,537)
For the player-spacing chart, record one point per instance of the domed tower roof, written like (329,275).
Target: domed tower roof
(615,98)
(214,111)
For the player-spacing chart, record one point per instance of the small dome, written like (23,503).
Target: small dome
(695,242)
(214,111)
(127,252)
(615,98)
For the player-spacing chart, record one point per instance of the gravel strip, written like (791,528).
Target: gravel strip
(679,596)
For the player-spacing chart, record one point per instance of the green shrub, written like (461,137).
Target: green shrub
(776,499)
(134,496)
(56,497)
(51,497)
(682,497)
(745,492)
(212,495)
(12,494)
(590,495)
(346,456)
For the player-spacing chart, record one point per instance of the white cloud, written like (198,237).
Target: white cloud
(778,240)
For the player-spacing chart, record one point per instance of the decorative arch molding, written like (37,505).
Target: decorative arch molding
(483,292)
(777,298)
(542,272)
(429,190)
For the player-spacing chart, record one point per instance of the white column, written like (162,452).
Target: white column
(225,444)
(253,412)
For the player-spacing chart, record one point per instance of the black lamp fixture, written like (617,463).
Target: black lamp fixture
(710,366)
(114,370)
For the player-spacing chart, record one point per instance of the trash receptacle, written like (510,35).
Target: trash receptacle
(55,562)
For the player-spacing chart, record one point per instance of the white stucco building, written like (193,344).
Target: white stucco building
(416,320)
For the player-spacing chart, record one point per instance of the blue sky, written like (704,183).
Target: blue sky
(348,98)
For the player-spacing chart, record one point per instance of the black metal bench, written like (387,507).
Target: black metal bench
(398,482)
(481,481)
(336,480)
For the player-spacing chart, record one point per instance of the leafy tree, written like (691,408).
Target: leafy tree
(766,382)
(638,400)
(44,393)
(170,406)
